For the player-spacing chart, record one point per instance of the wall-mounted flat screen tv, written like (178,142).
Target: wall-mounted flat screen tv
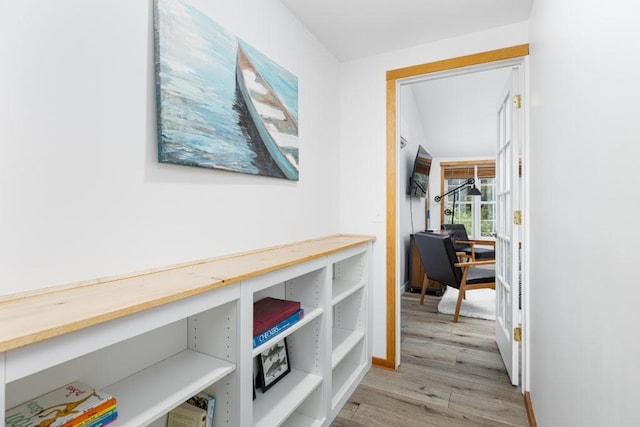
(419,178)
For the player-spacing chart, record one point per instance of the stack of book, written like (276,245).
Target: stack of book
(74,405)
(197,411)
(272,316)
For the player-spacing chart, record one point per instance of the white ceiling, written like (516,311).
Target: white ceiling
(459,114)
(454,110)
(357,28)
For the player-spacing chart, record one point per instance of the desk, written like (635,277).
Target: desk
(416,273)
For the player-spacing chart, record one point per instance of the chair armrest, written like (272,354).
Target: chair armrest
(475,263)
(484,242)
(474,242)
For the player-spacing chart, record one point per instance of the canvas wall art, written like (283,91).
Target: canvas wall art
(221,103)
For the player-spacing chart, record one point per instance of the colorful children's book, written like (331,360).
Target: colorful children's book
(280,327)
(66,406)
(103,420)
(97,418)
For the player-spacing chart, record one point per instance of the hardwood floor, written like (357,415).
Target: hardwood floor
(450,375)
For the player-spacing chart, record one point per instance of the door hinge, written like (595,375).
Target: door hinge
(517,217)
(517,334)
(517,101)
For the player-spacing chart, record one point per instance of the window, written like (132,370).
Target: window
(478,214)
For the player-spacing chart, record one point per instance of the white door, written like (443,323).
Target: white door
(508,182)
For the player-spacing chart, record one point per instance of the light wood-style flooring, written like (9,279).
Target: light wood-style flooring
(450,375)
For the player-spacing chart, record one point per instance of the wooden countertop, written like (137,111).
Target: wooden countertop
(29,317)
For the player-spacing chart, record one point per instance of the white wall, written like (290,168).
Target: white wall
(584,161)
(363,142)
(82,194)
(411,210)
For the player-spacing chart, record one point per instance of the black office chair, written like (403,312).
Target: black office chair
(441,264)
(462,243)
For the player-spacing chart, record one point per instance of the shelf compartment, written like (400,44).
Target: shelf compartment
(279,402)
(152,392)
(344,341)
(309,315)
(343,375)
(344,378)
(343,288)
(350,312)
(348,273)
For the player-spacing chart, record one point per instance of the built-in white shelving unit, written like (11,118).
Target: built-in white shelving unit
(350,356)
(156,338)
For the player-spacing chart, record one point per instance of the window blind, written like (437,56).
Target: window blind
(462,171)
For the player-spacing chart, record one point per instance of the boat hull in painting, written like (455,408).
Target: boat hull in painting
(276,126)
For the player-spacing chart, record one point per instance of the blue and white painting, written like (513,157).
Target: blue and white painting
(221,103)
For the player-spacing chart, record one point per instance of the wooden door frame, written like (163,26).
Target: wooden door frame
(392,359)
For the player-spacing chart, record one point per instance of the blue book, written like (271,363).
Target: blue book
(275,330)
(105,419)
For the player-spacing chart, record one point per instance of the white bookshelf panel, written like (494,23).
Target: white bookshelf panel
(343,375)
(152,392)
(312,408)
(280,401)
(267,280)
(351,269)
(215,332)
(308,288)
(227,405)
(350,313)
(343,288)
(347,253)
(347,374)
(299,420)
(344,341)
(306,347)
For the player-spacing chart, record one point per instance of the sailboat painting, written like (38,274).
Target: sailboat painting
(221,104)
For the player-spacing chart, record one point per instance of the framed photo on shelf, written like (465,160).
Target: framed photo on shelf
(273,364)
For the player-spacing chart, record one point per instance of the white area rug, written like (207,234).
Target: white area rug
(480,303)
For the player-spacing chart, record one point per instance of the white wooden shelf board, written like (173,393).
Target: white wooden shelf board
(150,393)
(343,377)
(299,420)
(344,341)
(343,288)
(273,407)
(309,315)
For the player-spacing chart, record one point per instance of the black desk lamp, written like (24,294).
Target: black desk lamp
(473,191)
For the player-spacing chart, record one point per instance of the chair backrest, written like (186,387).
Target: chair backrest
(459,233)
(438,258)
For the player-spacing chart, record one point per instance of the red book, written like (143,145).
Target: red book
(269,312)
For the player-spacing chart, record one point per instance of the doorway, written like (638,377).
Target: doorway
(450,67)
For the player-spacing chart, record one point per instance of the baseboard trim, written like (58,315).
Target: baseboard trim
(383,363)
(529,406)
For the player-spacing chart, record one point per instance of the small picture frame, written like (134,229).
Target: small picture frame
(273,364)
